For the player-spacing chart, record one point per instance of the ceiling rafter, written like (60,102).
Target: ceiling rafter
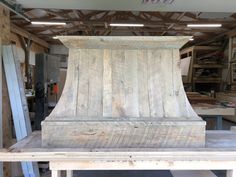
(171,25)
(85,22)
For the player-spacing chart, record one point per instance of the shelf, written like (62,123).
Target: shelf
(206,80)
(207,66)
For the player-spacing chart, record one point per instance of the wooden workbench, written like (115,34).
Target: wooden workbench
(215,111)
(219,154)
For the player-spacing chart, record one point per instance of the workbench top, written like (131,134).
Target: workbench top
(220,145)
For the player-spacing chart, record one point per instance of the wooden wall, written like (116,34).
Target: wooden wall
(6,111)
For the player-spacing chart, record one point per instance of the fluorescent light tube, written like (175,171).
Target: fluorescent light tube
(204,25)
(191,39)
(47,23)
(126,24)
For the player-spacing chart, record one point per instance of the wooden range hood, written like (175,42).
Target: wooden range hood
(123,92)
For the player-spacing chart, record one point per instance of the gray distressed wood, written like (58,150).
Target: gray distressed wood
(95,69)
(144,106)
(83,84)
(18,103)
(107,84)
(123,92)
(126,133)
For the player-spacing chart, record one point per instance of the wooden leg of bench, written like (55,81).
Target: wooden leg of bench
(231,173)
(69,173)
(56,173)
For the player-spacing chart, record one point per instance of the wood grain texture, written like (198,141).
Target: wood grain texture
(132,79)
(143,96)
(118,77)
(107,84)
(95,69)
(131,133)
(5,117)
(123,83)
(155,87)
(131,84)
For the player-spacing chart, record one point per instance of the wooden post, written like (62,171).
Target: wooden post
(26,45)
(231,173)
(56,173)
(1,137)
(69,173)
(229,78)
(5,114)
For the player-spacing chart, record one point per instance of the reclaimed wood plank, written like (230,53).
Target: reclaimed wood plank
(95,80)
(167,79)
(83,85)
(155,83)
(118,95)
(107,84)
(143,96)
(131,84)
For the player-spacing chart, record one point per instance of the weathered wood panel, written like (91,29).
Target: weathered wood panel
(131,133)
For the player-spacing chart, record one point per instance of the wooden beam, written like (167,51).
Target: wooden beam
(76,28)
(191,15)
(26,34)
(26,45)
(172,25)
(232,32)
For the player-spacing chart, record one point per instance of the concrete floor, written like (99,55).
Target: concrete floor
(126,173)
(227,124)
(134,173)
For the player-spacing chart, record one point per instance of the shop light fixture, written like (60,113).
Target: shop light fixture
(47,23)
(204,25)
(126,25)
